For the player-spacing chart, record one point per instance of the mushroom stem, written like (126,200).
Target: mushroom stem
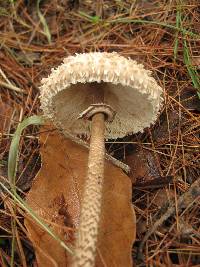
(85,247)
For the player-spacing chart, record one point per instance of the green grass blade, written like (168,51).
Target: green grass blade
(191,70)
(43,21)
(93,19)
(178,25)
(14,147)
(186,53)
(151,22)
(12,167)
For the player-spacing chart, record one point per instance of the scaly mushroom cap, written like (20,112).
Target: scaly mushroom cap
(128,89)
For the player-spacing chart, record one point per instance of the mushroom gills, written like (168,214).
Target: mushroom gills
(128,103)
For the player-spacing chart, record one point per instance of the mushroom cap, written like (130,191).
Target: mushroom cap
(128,88)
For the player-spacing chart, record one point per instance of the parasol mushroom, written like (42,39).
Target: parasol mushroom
(98,95)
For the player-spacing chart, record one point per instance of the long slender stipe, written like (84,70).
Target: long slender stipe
(85,247)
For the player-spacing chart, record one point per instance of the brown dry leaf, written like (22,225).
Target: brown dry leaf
(143,166)
(55,197)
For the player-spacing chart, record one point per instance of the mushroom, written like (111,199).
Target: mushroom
(98,95)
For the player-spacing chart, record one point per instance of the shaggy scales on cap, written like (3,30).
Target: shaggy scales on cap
(129,90)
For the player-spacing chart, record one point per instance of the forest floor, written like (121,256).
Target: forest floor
(164,36)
